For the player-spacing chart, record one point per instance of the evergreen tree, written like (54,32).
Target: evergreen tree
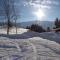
(57,23)
(37,28)
(48,29)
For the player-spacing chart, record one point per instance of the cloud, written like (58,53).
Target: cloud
(49,2)
(41,3)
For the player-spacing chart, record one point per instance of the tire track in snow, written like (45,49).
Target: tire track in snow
(34,49)
(42,43)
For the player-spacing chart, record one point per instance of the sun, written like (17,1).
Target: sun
(39,14)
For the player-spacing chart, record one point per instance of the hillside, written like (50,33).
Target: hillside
(44,24)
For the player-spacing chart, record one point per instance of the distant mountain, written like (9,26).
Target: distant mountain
(44,24)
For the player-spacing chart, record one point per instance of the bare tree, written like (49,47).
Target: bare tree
(10,13)
(15,19)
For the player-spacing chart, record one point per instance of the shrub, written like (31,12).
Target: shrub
(37,28)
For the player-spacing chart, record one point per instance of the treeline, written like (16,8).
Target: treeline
(38,28)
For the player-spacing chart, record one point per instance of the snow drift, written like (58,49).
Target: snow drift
(30,46)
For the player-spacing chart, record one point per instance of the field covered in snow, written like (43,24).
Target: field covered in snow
(29,45)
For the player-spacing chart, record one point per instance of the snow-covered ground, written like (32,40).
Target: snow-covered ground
(29,45)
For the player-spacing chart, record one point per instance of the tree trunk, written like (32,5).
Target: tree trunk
(8,27)
(8,30)
(16,26)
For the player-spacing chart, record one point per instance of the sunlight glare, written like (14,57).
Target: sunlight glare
(39,14)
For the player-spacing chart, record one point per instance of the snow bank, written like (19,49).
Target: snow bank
(30,46)
(34,48)
(51,36)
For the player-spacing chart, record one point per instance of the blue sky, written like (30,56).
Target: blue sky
(42,10)
(50,8)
